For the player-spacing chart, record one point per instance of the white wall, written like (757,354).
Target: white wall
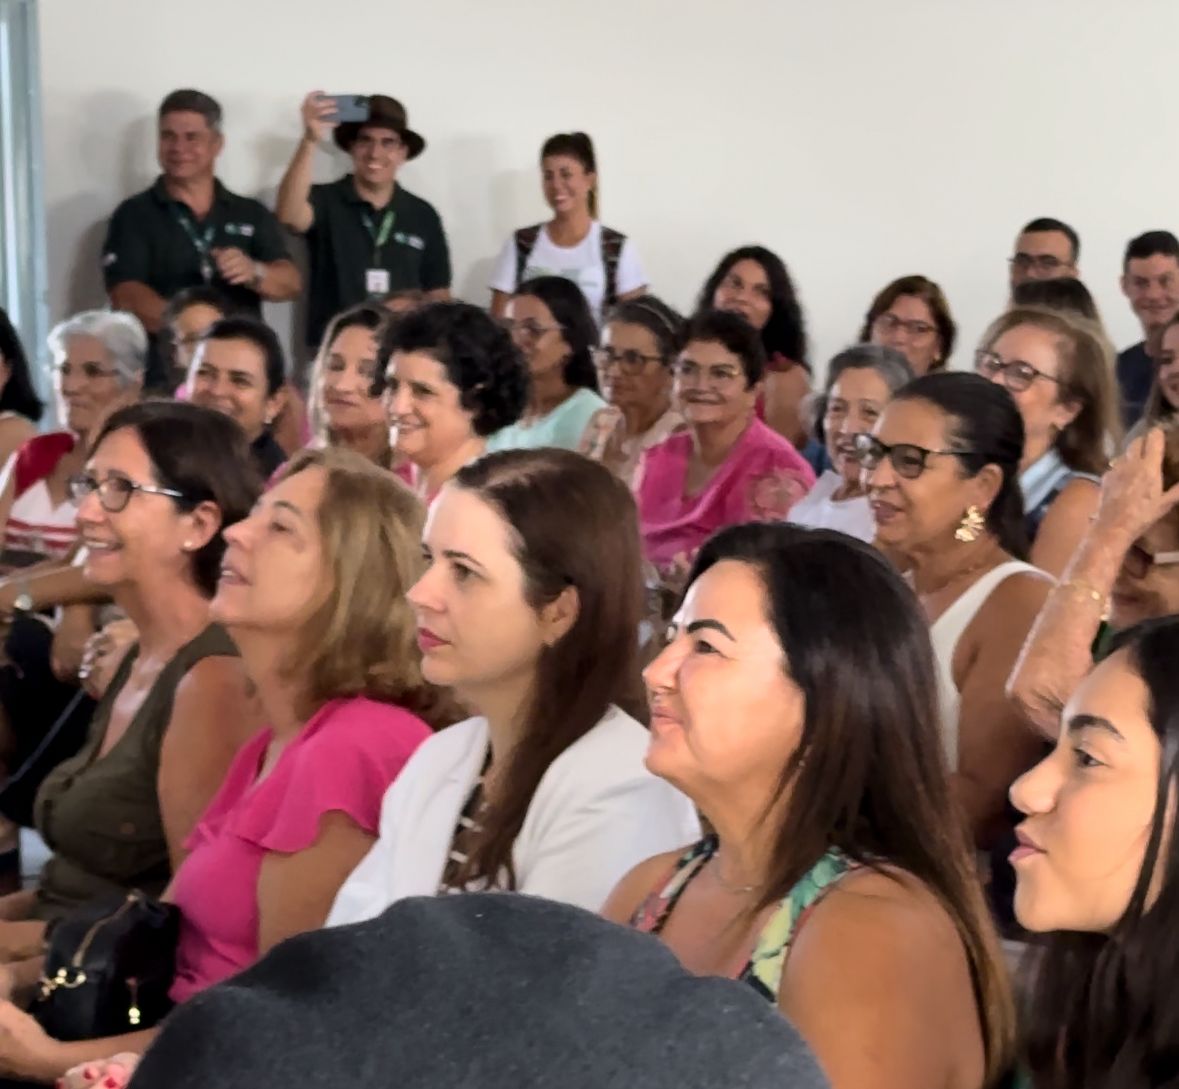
(861,139)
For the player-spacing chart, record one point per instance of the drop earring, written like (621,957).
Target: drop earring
(970,528)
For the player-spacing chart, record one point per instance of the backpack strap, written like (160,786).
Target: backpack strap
(612,243)
(525,243)
(38,457)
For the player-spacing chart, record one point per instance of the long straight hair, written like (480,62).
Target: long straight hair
(1103,1012)
(575,525)
(869,776)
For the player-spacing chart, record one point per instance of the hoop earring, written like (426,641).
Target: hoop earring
(970,528)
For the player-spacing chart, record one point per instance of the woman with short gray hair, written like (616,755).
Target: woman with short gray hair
(860,382)
(99,358)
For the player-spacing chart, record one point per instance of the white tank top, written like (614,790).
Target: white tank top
(945,633)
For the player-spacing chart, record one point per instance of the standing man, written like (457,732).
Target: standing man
(1046,249)
(367,236)
(188,229)
(1150,280)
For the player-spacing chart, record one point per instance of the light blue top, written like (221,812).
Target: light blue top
(562,427)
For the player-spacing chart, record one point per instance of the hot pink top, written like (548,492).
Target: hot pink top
(760,480)
(344,760)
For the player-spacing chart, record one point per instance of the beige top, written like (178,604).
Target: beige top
(605,440)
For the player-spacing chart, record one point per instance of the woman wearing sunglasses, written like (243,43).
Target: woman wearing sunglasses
(942,471)
(1059,370)
(639,343)
(163,481)
(1125,571)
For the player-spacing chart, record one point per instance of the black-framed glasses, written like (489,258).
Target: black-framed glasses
(1041,262)
(1138,561)
(908,459)
(628,361)
(1016,375)
(114,493)
(528,328)
(890,323)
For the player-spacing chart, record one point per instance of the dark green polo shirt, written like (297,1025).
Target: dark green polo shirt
(341,247)
(146,241)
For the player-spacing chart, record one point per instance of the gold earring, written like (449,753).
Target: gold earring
(970,528)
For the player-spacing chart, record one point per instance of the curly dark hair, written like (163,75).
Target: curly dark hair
(19,394)
(785,333)
(478,354)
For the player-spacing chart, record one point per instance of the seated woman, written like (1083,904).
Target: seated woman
(239,369)
(451,377)
(728,466)
(529,610)
(313,590)
(752,281)
(1065,293)
(551,324)
(639,344)
(1162,405)
(98,364)
(911,315)
(162,482)
(1059,370)
(860,382)
(805,727)
(1095,871)
(187,318)
(346,409)
(20,407)
(1125,571)
(941,467)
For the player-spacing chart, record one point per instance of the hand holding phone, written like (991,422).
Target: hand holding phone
(319,116)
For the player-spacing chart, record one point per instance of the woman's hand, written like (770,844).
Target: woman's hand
(1132,495)
(110,1073)
(26,1049)
(102,654)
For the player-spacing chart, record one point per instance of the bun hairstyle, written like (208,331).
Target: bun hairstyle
(576,145)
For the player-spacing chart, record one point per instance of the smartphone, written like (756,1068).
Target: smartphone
(349,108)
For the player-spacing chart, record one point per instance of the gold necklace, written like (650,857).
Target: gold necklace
(957,576)
(736,890)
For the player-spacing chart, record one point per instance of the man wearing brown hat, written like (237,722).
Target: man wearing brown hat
(366,235)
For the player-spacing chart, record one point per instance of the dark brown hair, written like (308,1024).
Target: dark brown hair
(1158,409)
(575,145)
(1086,377)
(575,525)
(923,288)
(869,776)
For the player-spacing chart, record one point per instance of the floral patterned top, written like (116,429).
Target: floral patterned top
(763,970)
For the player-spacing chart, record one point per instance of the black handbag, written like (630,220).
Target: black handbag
(108,970)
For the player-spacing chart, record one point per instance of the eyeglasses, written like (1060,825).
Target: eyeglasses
(89,371)
(693,373)
(1016,375)
(114,493)
(907,459)
(890,323)
(1139,561)
(529,328)
(629,361)
(1043,262)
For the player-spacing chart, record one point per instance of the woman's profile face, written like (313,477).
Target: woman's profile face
(725,714)
(1168,369)
(1089,807)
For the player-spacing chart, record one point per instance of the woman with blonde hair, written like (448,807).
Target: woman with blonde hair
(345,402)
(313,589)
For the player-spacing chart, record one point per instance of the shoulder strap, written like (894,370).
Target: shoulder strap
(525,243)
(764,970)
(612,243)
(38,457)
(652,914)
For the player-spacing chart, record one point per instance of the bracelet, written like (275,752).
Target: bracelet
(1080,586)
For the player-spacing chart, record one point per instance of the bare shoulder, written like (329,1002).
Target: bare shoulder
(1017,596)
(637,885)
(216,689)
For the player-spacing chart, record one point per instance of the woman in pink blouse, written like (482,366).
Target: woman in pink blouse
(728,467)
(313,591)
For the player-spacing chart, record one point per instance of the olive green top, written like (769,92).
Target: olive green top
(101,815)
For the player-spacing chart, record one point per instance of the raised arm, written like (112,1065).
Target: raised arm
(1058,650)
(293,206)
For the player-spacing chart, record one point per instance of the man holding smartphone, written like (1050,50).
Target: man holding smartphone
(366,235)
(188,229)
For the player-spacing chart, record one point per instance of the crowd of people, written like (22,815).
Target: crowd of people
(858,697)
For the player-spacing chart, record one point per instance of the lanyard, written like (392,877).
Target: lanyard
(379,235)
(201,243)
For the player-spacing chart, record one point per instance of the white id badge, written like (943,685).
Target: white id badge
(376,281)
